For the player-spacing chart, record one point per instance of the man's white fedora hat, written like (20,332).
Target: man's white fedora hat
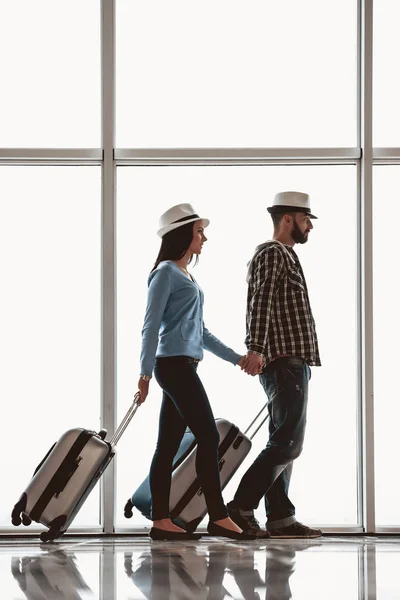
(178,215)
(291,202)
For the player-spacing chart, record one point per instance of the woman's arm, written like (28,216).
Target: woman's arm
(214,345)
(157,297)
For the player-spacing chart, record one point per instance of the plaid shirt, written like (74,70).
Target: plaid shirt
(279,318)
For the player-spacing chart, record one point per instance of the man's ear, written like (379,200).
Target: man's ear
(287,219)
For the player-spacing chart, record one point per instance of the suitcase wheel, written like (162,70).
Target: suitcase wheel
(18,509)
(50,535)
(128,509)
(26,520)
(16,520)
(55,529)
(44,536)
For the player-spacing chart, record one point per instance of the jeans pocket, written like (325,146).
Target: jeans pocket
(270,383)
(294,362)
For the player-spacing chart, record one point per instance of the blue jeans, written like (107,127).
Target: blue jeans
(184,404)
(285,381)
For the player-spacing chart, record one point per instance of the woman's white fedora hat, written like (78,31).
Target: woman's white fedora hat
(291,202)
(178,215)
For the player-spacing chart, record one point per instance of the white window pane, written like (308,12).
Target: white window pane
(50,73)
(235,200)
(386,60)
(386,335)
(230,74)
(49,317)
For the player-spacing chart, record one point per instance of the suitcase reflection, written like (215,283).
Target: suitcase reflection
(52,576)
(191,573)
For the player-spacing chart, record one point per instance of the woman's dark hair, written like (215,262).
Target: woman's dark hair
(175,243)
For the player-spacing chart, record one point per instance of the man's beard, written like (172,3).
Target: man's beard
(297,235)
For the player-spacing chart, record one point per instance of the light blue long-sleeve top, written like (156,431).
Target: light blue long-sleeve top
(173,322)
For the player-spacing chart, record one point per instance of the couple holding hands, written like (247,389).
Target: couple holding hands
(282,345)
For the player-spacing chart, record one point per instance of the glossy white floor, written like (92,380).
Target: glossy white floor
(130,568)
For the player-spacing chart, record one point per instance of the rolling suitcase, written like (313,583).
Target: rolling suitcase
(186,503)
(66,476)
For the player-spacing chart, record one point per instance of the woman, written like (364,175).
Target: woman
(173,338)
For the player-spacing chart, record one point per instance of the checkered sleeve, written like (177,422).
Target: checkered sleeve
(266,273)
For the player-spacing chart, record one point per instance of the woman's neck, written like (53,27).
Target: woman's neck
(182,262)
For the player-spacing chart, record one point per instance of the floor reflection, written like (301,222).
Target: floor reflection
(50,575)
(135,568)
(199,571)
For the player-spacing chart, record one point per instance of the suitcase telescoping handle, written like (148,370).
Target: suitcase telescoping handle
(126,420)
(256,419)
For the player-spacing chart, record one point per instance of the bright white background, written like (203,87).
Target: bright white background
(50,73)
(386,336)
(235,200)
(386,92)
(272,74)
(49,318)
(230,74)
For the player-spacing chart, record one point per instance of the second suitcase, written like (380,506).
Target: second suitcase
(187,504)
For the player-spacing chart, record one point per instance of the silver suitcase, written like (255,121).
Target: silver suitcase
(66,476)
(186,502)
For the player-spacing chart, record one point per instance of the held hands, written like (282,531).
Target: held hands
(252,364)
(143,387)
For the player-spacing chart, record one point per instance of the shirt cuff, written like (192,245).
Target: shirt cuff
(257,353)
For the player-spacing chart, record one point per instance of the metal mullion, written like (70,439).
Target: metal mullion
(108,324)
(381,154)
(234,156)
(46,155)
(367,498)
(235,163)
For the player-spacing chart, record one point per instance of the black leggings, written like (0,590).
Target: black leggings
(184,404)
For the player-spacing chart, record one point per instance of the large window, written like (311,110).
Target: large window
(49,317)
(386,60)
(50,73)
(235,200)
(386,334)
(221,104)
(385,268)
(229,74)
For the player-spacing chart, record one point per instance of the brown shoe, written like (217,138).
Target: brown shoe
(248,523)
(295,530)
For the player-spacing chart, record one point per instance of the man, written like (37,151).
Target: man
(282,344)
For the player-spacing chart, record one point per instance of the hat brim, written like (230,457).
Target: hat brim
(283,209)
(161,232)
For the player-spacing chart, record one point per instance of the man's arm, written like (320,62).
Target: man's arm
(267,272)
